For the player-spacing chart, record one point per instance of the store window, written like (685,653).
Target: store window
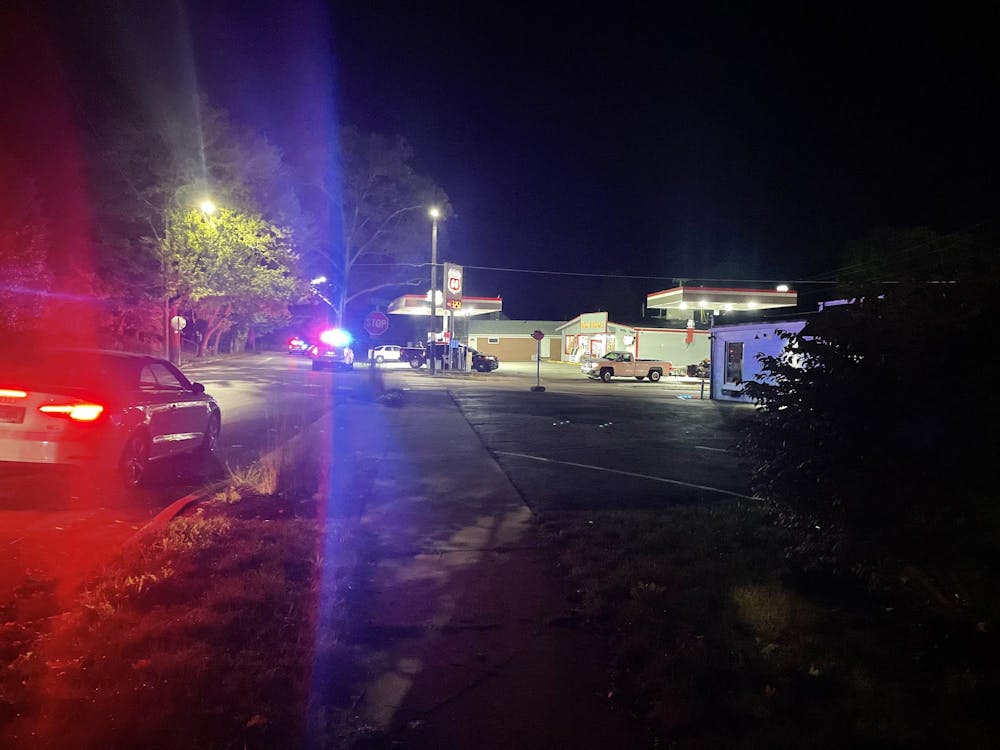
(734,362)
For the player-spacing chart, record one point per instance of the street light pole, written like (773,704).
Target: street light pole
(435,214)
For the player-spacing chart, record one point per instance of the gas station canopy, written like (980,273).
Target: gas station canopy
(719,299)
(419,304)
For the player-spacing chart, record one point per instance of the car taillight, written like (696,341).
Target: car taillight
(12,393)
(76,412)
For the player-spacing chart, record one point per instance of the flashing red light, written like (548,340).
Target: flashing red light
(12,393)
(76,412)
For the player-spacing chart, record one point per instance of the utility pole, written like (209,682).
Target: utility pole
(434,214)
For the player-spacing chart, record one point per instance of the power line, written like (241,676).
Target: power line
(900,255)
(502,269)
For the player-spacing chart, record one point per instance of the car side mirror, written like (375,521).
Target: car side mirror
(197,388)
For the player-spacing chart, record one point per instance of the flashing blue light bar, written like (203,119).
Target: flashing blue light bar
(335,337)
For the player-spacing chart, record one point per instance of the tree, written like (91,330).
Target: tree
(859,441)
(910,254)
(229,263)
(22,249)
(151,177)
(381,233)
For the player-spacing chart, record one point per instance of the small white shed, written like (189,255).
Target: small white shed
(734,353)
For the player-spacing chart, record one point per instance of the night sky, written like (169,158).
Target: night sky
(649,139)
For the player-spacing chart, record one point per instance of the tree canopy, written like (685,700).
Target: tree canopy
(238,264)
(228,262)
(22,250)
(380,231)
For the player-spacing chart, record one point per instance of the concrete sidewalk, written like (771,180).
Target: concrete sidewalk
(470,639)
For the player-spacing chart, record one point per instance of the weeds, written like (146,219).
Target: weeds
(194,533)
(719,646)
(183,641)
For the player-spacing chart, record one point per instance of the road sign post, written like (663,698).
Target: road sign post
(538,336)
(178,324)
(376,323)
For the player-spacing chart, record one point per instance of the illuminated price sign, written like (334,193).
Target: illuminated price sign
(453,286)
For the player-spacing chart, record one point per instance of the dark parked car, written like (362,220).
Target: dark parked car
(102,410)
(418,356)
(484,362)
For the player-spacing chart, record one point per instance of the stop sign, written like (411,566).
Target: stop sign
(538,335)
(376,323)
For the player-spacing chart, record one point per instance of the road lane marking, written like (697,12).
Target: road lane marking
(628,474)
(706,448)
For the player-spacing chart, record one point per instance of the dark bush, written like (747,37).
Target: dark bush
(874,428)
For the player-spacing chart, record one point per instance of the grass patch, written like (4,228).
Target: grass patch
(198,639)
(203,636)
(719,646)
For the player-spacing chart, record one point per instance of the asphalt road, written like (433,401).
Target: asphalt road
(56,525)
(580,444)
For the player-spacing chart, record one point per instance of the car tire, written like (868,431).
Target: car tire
(416,362)
(607,374)
(212,431)
(655,375)
(379,359)
(134,462)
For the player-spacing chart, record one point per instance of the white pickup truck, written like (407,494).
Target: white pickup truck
(624,365)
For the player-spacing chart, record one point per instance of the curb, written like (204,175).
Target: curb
(165,516)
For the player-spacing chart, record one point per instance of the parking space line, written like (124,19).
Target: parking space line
(628,474)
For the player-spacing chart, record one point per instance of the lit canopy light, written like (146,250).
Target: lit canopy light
(419,304)
(717,298)
(335,337)
(782,287)
(207,206)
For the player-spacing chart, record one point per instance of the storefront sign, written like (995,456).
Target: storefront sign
(453,286)
(594,322)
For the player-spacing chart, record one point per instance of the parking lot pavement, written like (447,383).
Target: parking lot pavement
(555,376)
(627,449)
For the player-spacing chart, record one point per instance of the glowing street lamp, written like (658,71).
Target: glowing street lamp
(207,206)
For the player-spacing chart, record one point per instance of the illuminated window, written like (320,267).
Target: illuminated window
(734,362)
